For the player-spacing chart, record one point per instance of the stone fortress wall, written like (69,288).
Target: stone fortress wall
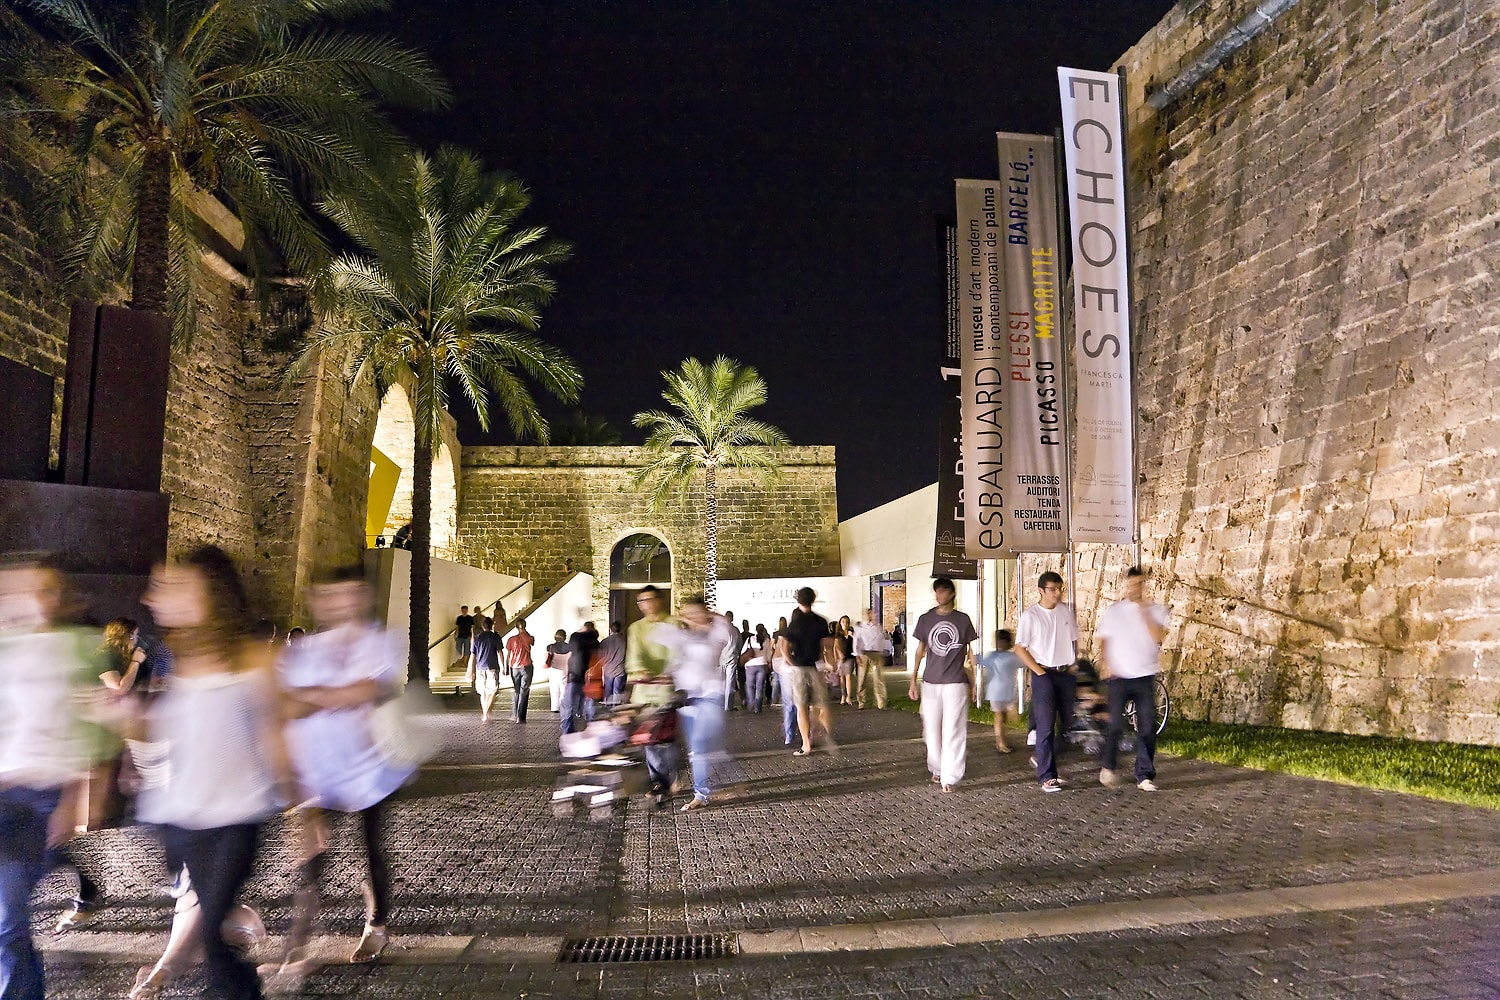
(275,475)
(1316,225)
(527,511)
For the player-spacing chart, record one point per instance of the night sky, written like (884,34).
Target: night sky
(759,180)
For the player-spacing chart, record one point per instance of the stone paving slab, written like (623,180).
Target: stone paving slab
(859,848)
(1447,950)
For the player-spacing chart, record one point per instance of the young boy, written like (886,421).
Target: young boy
(999,685)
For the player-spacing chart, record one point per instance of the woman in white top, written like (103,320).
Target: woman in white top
(756,658)
(226,761)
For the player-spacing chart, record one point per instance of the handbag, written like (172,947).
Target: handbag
(398,738)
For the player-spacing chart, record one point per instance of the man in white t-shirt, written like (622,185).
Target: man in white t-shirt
(1130,634)
(1047,643)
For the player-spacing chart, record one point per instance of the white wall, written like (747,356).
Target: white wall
(453,584)
(566,608)
(896,535)
(764,601)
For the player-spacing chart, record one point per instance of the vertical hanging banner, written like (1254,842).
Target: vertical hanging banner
(1036,366)
(984,345)
(948,547)
(1104,469)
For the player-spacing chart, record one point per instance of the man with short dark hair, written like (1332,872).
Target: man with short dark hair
(1130,635)
(612,649)
(1047,643)
(582,645)
(463,631)
(518,654)
(802,648)
(943,639)
(484,668)
(729,661)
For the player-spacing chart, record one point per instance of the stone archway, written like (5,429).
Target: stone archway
(392,457)
(636,560)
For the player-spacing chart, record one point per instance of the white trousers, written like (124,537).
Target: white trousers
(945,728)
(554,687)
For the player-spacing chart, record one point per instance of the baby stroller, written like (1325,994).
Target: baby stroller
(611,755)
(1090,723)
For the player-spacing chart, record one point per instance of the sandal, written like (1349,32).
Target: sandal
(371,944)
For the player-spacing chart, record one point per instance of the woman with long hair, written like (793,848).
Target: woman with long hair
(226,761)
(844,650)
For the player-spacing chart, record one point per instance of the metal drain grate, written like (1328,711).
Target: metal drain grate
(649,948)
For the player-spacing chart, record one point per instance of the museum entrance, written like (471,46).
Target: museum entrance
(637,560)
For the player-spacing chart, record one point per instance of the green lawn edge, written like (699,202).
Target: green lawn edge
(1463,773)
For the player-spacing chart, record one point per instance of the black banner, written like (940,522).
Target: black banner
(948,547)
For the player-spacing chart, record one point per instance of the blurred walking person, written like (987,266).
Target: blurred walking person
(844,651)
(582,645)
(463,630)
(646,658)
(1130,635)
(869,651)
(944,664)
(225,760)
(333,681)
(47,677)
(730,660)
(999,685)
(696,666)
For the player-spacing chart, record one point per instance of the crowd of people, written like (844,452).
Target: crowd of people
(204,736)
(208,732)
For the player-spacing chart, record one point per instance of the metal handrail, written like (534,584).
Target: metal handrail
(494,604)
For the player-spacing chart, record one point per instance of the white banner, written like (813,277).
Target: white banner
(1104,467)
(1036,416)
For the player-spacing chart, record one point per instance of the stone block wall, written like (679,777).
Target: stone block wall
(527,511)
(1316,225)
(276,477)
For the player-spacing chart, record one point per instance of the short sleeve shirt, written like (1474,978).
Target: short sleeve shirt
(804,637)
(1048,635)
(1131,652)
(487,650)
(560,651)
(946,638)
(519,648)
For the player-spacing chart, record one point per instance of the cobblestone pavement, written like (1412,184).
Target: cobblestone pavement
(858,838)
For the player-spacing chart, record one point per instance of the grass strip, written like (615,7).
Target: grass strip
(1450,772)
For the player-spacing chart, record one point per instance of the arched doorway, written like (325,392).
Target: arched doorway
(635,561)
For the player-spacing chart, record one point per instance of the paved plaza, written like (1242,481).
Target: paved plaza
(854,876)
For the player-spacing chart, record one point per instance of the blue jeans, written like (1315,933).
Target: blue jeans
(575,704)
(614,689)
(789,728)
(1142,691)
(23,851)
(1052,695)
(703,731)
(520,680)
(755,685)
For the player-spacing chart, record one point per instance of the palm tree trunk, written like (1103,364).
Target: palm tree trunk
(421,563)
(711,563)
(152,246)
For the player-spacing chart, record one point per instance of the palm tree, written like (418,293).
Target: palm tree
(580,429)
(445,290)
(264,103)
(708,432)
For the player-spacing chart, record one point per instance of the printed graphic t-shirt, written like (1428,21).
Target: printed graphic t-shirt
(947,639)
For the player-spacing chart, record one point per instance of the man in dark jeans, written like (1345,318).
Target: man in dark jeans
(518,653)
(1047,643)
(463,631)
(1130,635)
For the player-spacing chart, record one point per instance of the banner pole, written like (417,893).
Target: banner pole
(1135,472)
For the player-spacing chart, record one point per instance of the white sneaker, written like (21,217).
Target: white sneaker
(1108,778)
(1031,738)
(1147,786)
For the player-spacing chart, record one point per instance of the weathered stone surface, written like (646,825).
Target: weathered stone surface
(1314,225)
(528,511)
